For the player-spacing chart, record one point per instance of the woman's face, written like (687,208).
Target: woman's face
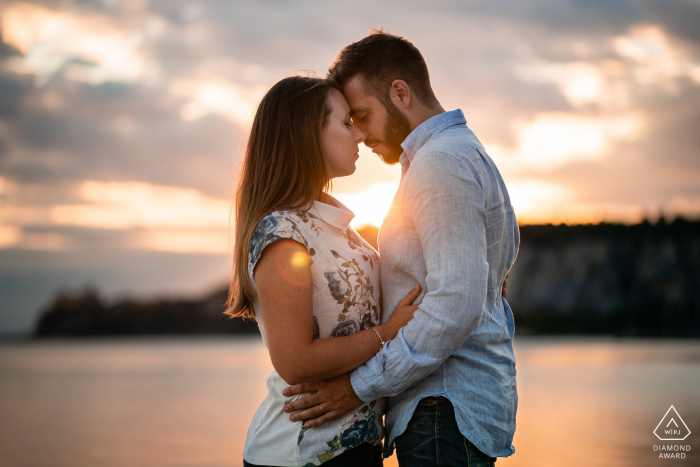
(340,138)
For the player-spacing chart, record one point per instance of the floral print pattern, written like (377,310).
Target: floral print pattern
(347,328)
(356,243)
(352,288)
(345,273)
(278,225)
(361,428)
(316,330)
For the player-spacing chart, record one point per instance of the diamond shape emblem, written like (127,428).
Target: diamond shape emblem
(672,427)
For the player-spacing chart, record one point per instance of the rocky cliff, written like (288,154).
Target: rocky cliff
(628,280)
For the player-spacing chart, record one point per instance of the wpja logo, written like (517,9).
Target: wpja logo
(671,428)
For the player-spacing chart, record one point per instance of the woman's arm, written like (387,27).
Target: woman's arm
(285,291)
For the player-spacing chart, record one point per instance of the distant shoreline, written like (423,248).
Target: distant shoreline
(607,279)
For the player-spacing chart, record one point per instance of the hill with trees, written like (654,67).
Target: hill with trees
(638,280)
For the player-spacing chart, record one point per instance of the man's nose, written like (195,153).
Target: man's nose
(359,134)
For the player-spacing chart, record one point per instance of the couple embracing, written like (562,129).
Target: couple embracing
(422,336)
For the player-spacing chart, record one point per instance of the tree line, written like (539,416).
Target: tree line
(626,280)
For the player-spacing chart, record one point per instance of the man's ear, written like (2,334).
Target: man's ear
(400,94)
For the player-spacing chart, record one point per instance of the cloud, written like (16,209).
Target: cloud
(163,218)
(553,140)
(217,96)
(656,60)
(86,47)
(591,109)
(116,131)
(588,72)
(123,205)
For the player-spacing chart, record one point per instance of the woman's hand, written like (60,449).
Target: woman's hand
(403,313)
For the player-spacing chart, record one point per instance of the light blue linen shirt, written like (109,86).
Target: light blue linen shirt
(451,228)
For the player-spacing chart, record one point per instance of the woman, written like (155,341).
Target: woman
(308,278)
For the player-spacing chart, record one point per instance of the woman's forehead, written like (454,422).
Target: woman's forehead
(338,102)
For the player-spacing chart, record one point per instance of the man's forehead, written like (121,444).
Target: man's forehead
(356,95)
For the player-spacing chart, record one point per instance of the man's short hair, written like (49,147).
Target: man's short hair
(380,58)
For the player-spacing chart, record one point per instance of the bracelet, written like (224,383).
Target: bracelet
(380,337)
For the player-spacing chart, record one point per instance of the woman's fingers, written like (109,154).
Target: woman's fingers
(410,296)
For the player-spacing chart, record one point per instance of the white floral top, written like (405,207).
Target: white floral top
(345,274)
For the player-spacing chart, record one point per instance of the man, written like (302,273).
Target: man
(450,373)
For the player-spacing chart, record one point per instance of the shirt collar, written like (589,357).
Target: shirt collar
(423,132)
(338,216)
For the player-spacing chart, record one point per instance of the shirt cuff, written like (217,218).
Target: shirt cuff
(367,381)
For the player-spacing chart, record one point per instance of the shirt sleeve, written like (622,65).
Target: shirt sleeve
(446,205)
(273,227)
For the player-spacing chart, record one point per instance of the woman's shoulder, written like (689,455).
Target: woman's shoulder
(291,215)
(299,220)
(279,224)
(297,224)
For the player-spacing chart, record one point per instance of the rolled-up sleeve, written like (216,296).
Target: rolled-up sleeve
(445,202)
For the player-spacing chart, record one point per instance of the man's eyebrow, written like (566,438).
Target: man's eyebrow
(358,110)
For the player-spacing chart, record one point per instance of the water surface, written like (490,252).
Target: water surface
(188,402)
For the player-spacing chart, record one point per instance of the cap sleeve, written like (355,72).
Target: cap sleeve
(273,227)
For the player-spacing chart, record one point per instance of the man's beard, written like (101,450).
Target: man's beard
(396,129)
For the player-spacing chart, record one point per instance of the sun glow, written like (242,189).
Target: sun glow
(300,259)
(371,205)
(580,82)
(9,235)
(123,205)
(208,241)
(552,140)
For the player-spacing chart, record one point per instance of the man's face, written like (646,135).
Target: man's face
(385,128)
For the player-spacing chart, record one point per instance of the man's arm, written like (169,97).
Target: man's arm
(446,202)
(447,207)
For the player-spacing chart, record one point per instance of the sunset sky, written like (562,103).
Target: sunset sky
(122,122)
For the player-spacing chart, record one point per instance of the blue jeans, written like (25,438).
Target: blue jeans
(432,438)
(364,455)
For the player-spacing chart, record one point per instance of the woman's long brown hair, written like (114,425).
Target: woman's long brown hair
(284,168)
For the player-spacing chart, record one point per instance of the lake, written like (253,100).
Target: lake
(188,401)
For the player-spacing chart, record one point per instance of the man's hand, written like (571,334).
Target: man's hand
(332,398)
(504,292)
